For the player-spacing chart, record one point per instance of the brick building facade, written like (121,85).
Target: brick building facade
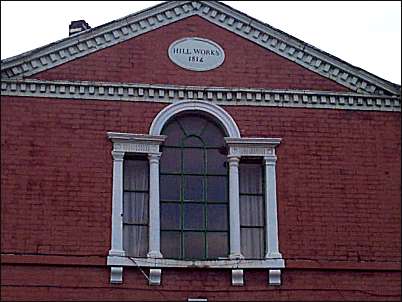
(324,134)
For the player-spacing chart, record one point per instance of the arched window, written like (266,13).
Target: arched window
(194,189)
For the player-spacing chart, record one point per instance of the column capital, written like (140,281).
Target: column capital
(118,155)
(270,160)
(154,156)
(233,158)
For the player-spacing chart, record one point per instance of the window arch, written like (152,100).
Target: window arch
(225,120)
(194,189)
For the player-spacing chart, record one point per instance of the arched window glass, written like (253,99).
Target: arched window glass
(194,189)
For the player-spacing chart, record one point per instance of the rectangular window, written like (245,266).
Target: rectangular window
(135,206)
(252,209)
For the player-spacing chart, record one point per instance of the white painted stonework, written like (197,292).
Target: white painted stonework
(133,143)
(236,96)
(213,110)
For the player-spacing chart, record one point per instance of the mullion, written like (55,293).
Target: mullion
(181,198)
(205,190)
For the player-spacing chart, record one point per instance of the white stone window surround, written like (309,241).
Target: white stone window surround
(238,147)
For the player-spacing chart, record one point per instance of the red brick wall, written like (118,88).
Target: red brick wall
(338,178)
(56,283)
(144,59)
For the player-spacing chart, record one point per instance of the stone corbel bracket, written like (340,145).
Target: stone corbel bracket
(237,277)
(155,275)
(274,277)
(116,274)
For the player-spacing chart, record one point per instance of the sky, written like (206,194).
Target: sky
(366,34)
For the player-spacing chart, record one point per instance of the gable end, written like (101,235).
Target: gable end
(219,14)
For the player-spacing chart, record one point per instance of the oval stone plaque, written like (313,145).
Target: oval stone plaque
(196,54)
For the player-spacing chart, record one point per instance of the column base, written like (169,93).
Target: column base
(154,254)
(236,256)
(273,255)
(119,253)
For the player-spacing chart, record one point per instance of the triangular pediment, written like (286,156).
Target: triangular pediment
(274,40)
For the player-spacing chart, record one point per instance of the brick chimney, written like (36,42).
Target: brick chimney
(78,26)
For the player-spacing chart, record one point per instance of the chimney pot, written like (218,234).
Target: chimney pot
(78,26)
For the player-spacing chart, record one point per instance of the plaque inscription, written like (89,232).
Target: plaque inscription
(196,54)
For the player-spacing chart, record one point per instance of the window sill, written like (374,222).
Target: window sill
(274,263)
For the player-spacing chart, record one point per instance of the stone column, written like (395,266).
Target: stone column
(234,206)
(117,208)
(272,246)
(154,223)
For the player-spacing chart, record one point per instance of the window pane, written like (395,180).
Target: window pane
(250,178)
(252,242)
(193,141)
(251,210)
(135,240)
(174,134)
(194,245)
(170,187)
(216,162)
(170,216)
(217,244)
(136,175)
(217,217)
(213,136)
(170,244)
(192,124)
(193,188)
(135,207)
(194,216)
(193,160)
(217,188)
(170,160)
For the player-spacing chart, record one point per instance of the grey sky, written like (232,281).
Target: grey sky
(366,34)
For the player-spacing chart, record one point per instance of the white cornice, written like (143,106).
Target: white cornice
(252,146)
(222,15)
(103,91)
(136,143)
